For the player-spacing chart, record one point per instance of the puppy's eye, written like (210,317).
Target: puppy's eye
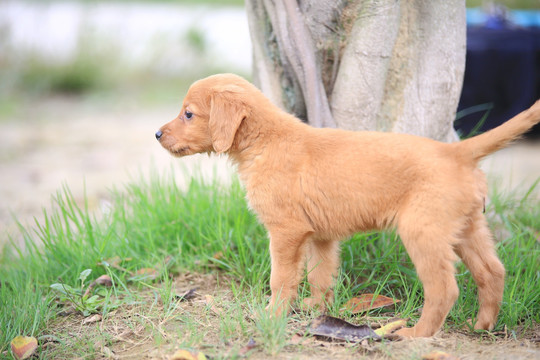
(188,115)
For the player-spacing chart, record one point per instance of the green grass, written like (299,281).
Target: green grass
(154,224)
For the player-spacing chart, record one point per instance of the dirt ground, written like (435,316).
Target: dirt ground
(121,336)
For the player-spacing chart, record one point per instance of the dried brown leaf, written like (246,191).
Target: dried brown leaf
(391,327)
(188,355)
(23,347)
(438,355)
(104,280)
(334,328)
(367,302)
(92,319)
(187,295)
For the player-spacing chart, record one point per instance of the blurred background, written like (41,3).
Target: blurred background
(84,85)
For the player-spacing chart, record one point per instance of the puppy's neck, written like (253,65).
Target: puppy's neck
(258,134)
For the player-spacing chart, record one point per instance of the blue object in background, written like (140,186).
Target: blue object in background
(502,68)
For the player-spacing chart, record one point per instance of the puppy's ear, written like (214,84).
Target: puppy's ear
(227,111)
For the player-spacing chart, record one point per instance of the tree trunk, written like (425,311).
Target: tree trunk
(383,65)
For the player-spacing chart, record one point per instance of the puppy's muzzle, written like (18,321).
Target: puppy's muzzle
(159,134)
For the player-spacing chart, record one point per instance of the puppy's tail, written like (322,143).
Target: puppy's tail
(495,139)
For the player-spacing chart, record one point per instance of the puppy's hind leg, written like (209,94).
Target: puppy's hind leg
(322,268)
(478,253)
(430,249)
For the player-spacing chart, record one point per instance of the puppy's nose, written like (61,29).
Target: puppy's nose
(159,134)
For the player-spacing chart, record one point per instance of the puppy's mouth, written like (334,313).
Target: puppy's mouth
(180,151)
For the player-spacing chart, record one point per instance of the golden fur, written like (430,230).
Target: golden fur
(312,187)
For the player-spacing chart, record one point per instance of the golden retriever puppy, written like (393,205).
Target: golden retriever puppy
(313,187)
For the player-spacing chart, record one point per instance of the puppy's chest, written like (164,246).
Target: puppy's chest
(271,193)
(268,194)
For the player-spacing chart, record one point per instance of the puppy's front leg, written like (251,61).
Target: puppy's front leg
(323,263)
(287,251)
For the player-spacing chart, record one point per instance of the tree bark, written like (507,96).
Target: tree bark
(383,65)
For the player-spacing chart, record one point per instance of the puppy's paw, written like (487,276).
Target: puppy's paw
(415,331)
(278,309)
(405,332)
(412,332)
(480,325)
(314,303)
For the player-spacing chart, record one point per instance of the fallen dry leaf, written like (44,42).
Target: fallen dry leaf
(187,295)
(438,355)
(104,280)
(331,327)
(367,302)
(390,327)
(92,319)
(188,355)
(23,347)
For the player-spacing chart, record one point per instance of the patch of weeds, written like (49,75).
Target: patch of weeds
(190,334)
(82,300)
(234,325)
(271,329)
(167,296)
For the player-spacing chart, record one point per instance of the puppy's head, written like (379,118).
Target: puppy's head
(212,112)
